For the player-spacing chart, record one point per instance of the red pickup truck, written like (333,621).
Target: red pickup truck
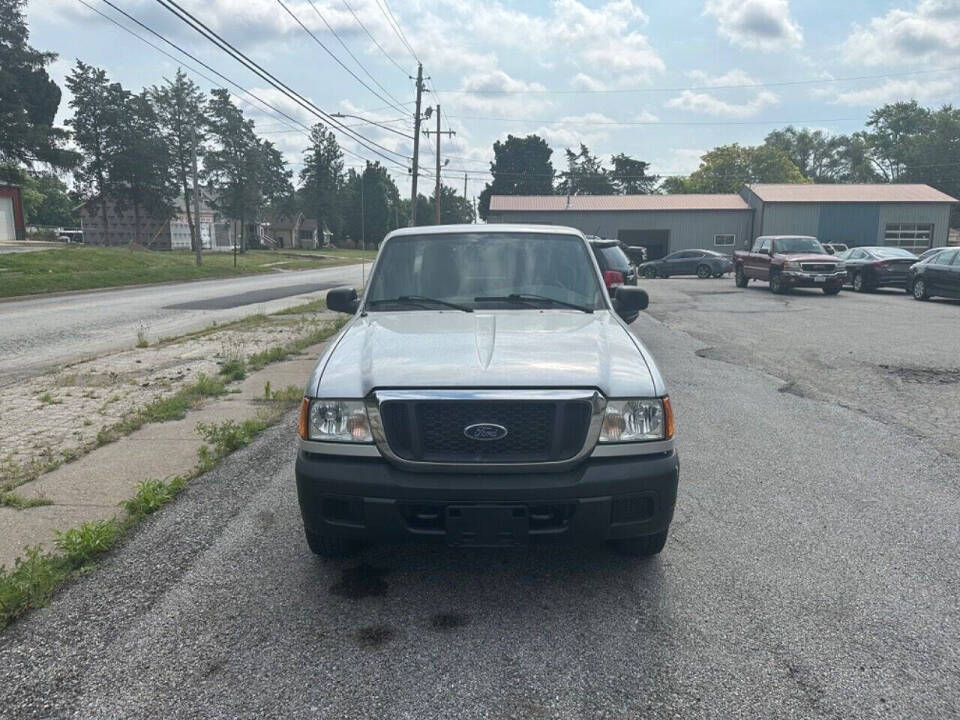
(789,261)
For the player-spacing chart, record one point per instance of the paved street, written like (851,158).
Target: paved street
(38,333)
(812,569)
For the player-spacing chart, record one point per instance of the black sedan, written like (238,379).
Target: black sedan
(937,275)
(702,263)
(869,268)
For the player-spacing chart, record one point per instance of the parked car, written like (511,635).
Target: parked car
(937,275)
(486,392)
(869,268)
(835,248)
(702,263)
(614,265)
(789,261)
(927,253)
(636,253)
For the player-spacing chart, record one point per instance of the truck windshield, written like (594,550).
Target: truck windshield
(462,267)
(799,245)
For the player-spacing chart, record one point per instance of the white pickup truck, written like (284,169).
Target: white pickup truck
(486,392)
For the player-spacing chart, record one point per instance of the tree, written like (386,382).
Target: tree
(521,166)
(180,109)
(585,175)
(28,98)
(814,152)
(321,180)
(247,172)
(97,106)
(454,209)
(371,205)
(629,176)
(726,169)
(46,201)
(140,167)
(895,130)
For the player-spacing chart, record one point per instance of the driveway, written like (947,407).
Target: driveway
(812,571)
(40,332)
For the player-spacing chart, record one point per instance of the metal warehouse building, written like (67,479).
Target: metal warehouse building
(911,216)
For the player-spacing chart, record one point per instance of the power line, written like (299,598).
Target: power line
(375,42)
(745,86)
(638,123)
(395,26)
(228,48)
(333,55)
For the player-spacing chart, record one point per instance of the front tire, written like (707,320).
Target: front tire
(650,273)
(328,546)
(776,284)
(860,283)
(835,290)
(920,289)
(643,546)
(703,272)
(740,278)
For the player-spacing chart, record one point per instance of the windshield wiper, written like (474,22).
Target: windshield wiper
(420,300)
(530,299)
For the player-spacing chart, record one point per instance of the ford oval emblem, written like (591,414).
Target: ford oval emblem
(485,432)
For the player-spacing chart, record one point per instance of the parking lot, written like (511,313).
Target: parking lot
(812,569)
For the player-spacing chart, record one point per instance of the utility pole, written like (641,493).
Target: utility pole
(436,193)
(416,148)
(196,200)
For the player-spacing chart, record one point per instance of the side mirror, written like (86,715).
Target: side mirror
(765,251)
(343,300)
(629,300)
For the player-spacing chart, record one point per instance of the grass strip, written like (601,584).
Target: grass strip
(89,267)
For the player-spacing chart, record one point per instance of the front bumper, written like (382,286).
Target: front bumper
(795,278)
(598,500)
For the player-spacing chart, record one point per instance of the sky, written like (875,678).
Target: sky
(660,80)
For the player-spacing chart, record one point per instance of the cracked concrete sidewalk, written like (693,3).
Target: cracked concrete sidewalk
(91,487)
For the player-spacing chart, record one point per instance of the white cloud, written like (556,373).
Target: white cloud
(582,81)
(571,130)
(930,32)
(706,104)
(645,116)
(497,92)
(894,91)
(756,24)
(679,161)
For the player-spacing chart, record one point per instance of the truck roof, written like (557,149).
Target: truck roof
(485,228)
(782,237)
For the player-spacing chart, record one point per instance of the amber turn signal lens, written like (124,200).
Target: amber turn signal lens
(668,426)
(303,423)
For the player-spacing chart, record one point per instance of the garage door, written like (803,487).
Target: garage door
(655,241)
(8,231)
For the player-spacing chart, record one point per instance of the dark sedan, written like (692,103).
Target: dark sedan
(702,263)
(936,276)
(869,268)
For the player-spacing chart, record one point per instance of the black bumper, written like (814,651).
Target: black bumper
(601,499)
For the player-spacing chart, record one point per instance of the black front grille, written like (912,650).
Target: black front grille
(818,267)
(536,430)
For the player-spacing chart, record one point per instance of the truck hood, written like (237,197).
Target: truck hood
(483,349)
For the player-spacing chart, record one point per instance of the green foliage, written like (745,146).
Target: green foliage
(152,495)
(226,437)
(321,180)
(629,176)
(30,583)
(234,369)
(19,502)
(81,544)
(521,166)
(585,175)
(726,169)
(371,205)
(28,97)
(46,201)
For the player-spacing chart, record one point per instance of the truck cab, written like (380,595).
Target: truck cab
(486,392)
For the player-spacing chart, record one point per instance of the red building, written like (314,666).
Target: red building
(12,226)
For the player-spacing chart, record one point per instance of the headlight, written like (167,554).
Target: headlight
(335,421)
(637,421)
(841,267)
(791,265)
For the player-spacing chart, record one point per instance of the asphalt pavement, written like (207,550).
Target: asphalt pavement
(41,332)
(811,572)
